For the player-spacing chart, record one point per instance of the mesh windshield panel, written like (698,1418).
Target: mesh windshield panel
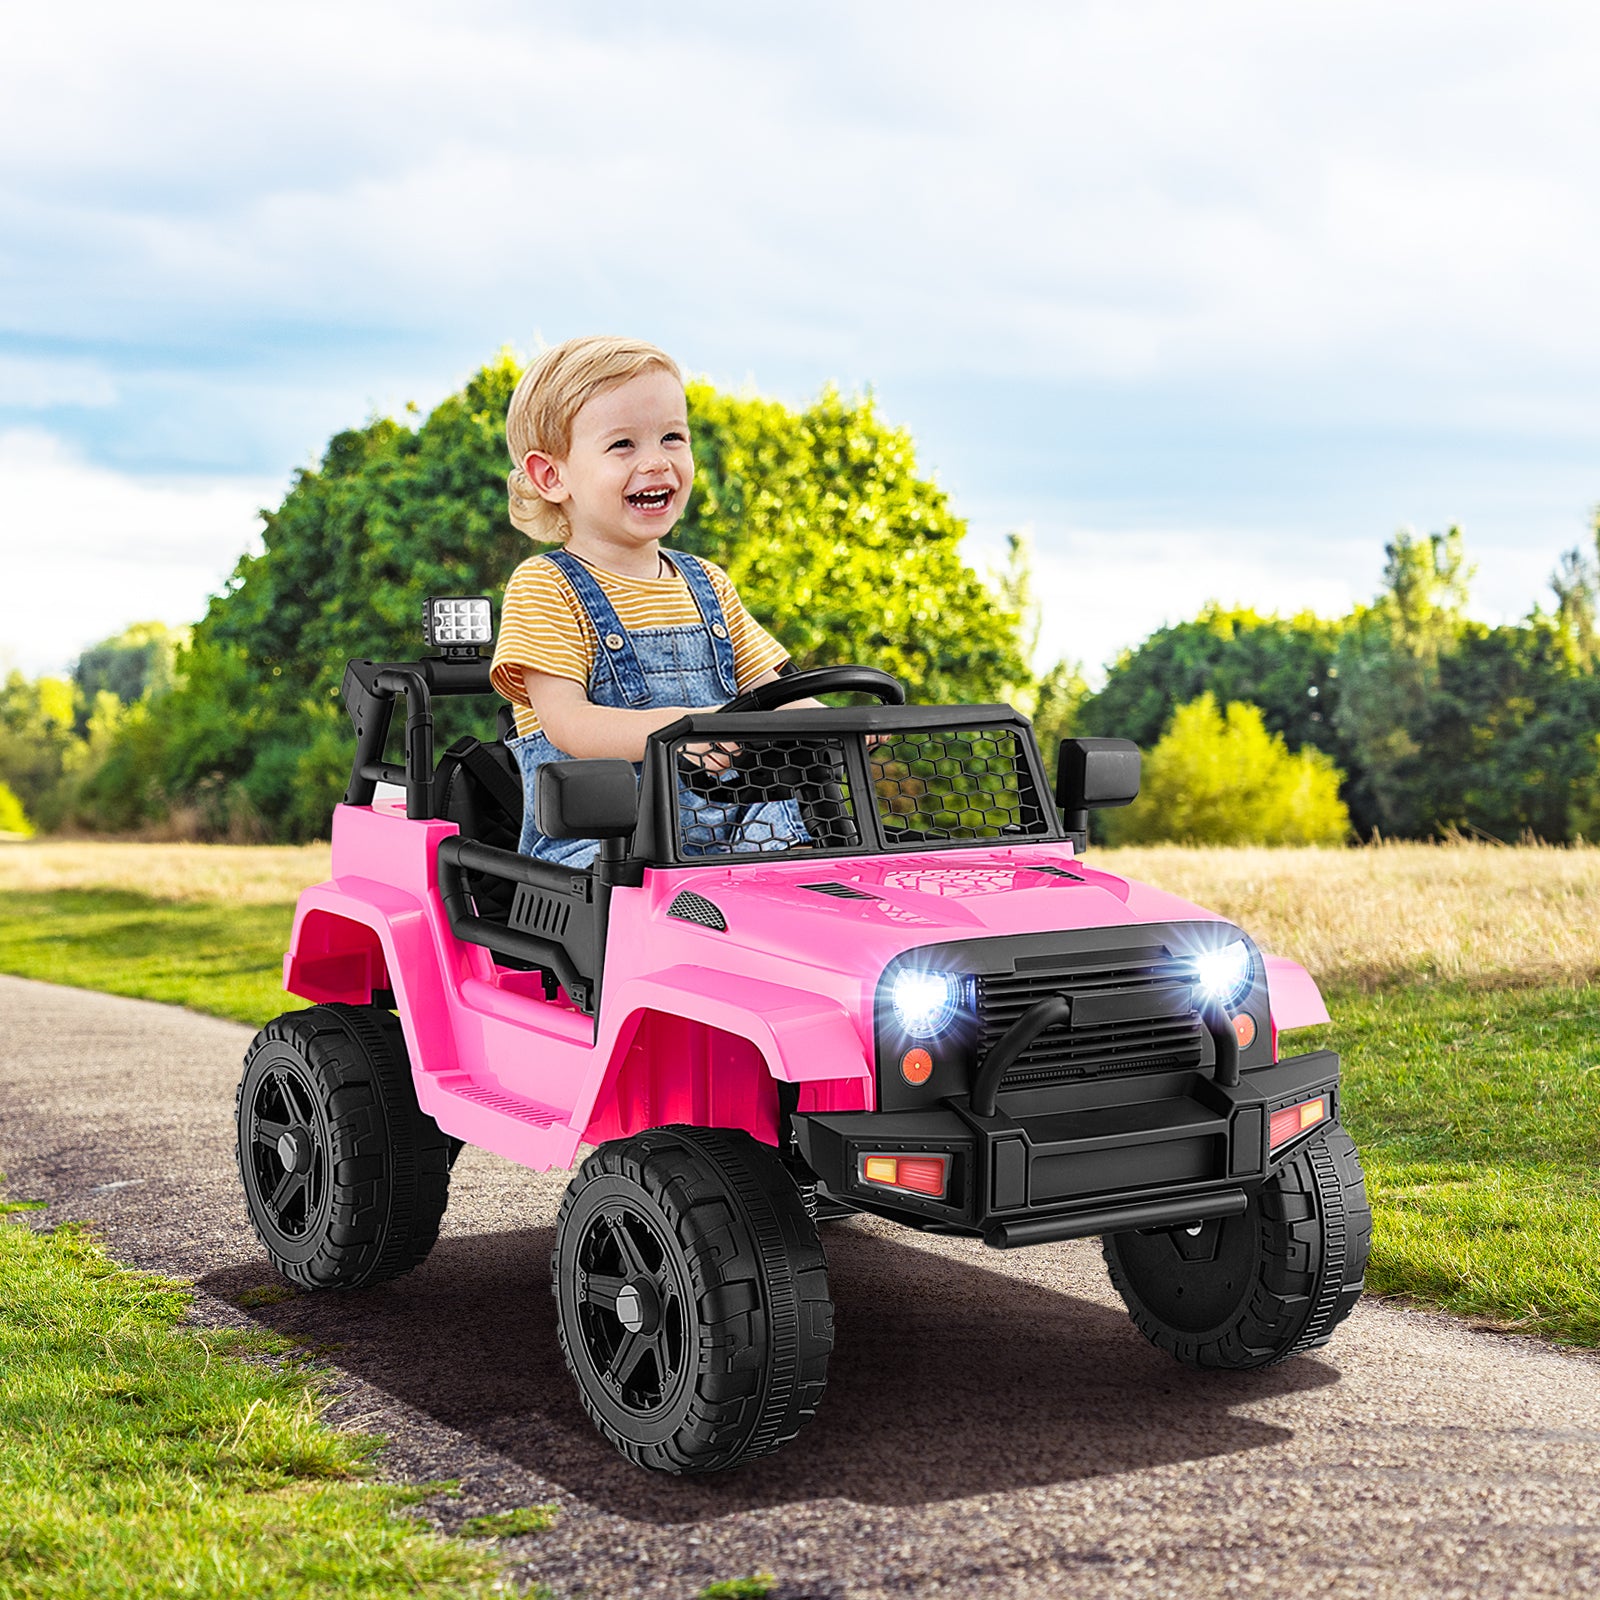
(763,795)
(957,783)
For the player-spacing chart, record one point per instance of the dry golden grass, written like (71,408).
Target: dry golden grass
(242,874)
(1479,914)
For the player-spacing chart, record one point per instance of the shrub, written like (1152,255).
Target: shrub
(13,819)
(1219,777)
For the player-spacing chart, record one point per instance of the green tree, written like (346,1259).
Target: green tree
(1388,666)
(132,664)
(37,738)
(1284,665)
(1221,777)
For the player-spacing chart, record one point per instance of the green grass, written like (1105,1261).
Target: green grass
(1478,1118)
(138,1457)
(511,1524)
(226,960)
(756,1588)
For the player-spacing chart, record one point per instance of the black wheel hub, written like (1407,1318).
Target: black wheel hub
(633,1313)
(288,1152)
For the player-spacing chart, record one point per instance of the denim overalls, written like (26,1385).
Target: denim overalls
(682,666)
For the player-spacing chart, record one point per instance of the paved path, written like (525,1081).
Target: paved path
(994,1425)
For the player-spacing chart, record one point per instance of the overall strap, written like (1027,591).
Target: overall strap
(614,651)
(710,608)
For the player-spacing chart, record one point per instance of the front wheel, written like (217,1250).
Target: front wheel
(1255,1289)
(691,1298)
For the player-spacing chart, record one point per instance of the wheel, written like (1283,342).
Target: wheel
(345,1178)
(1255,1289)
(691,1298)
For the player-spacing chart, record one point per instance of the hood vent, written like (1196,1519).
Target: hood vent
(840,891)
(1058,872)
(691,907)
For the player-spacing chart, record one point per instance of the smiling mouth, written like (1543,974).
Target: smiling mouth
(650,499)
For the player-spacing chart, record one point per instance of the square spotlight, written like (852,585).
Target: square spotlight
(457,625)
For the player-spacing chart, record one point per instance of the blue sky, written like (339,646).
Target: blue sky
(1208,299)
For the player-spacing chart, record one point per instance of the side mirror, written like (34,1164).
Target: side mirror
(586,800)
(1091,773)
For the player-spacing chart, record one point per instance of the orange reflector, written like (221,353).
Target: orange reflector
(916,1067)
(917,1174)
(1296,1119)
(1245,1026)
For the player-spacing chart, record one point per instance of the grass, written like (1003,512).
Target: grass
(226,960)
(139,1457)
(1476,1114)
(1464,983)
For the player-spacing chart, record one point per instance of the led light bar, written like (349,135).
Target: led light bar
(457,624)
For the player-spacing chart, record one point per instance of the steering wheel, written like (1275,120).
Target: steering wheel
(819,680)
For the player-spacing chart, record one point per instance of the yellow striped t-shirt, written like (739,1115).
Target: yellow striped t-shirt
(543,625)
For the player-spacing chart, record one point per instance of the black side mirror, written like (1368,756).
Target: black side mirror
(586,800)
(1091,773)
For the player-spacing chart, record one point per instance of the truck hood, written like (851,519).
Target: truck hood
(844,912)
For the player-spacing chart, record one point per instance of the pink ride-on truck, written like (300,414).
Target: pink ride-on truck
(923,1005)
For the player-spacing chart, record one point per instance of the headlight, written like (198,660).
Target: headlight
(1224,975)
(925,1003)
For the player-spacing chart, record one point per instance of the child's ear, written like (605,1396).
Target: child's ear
(544,473)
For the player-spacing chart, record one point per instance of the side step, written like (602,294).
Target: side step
(511,1125)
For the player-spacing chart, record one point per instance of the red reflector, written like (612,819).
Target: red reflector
(1245,1026)
(916,1067)
(922,1174)
(917,1174)
(1296,1119)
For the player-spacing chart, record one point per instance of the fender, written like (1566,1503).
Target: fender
(1292,992)
(353,936)
(804,1037)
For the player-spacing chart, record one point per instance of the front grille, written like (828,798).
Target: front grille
(1062,1054)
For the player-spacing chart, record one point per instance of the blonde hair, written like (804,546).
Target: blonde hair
(549,395)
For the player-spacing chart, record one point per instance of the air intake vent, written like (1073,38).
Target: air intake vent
(1058,872)
(691,907)
(840,891)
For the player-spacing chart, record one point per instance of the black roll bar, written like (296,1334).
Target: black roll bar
(370,688)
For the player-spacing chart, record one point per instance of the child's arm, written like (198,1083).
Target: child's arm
(574,723)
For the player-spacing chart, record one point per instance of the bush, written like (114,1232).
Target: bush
(13,819)
(1220,778)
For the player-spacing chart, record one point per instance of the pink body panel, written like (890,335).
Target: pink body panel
(695,1024)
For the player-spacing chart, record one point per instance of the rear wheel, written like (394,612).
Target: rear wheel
(1251,1290)
(345,1178)
(692,1298)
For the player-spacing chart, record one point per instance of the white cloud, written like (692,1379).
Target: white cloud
(33,383)
(84,551)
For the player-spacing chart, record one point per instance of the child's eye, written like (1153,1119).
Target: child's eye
(674,438)
(620,444)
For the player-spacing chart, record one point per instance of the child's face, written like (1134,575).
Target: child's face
(626,477)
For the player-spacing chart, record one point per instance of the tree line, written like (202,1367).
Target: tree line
(1404,718)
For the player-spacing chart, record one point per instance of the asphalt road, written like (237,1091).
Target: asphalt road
(994,1425)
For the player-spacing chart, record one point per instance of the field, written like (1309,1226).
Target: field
(1463,982)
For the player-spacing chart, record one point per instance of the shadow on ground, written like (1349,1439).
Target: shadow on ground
(947,1380)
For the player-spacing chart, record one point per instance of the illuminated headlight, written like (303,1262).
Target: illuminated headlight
(1223,976)
(925,1003)
(457,625)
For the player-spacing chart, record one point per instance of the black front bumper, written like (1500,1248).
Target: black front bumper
(1161,1149)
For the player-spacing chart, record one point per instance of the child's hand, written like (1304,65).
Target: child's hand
(709,757)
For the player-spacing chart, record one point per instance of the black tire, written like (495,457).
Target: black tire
(345,1179)
(720,1351)
(1252,1290)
